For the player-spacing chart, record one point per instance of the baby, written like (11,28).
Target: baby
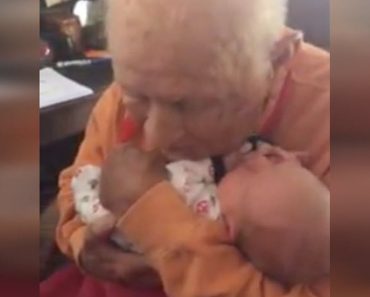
(194,180)
(277,211)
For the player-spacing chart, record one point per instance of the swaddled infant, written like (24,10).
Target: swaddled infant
(277,212)
(194,180)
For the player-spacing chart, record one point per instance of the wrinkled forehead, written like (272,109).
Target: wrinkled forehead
(173,26)
(191,39)
(208,48)
(171,85)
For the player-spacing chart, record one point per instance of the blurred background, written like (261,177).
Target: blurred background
(38,142)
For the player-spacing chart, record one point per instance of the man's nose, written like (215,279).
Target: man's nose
(162,127)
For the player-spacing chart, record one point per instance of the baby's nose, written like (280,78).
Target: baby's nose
(257,161)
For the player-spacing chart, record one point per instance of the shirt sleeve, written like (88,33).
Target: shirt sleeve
(70,230)
(193,255)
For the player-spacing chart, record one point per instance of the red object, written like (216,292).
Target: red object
(70,282)
(129,129)
(272,120)
(14,287)
(202,207)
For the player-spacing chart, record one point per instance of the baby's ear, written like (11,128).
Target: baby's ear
(302,157)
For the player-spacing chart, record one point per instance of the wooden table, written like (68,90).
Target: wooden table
(63,120)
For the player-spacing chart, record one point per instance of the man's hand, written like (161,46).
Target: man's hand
(103,260)
(127,174)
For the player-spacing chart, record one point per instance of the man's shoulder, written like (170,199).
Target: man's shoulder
(106,116)
(109,107)
(110,100)
(311,66)
(305,122)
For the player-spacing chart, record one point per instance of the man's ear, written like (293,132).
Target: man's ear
(284,48)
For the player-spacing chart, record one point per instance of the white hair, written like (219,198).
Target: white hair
(259,26)
(239,34)
(264,25)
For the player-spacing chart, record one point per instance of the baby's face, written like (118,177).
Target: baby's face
(278,214)
(267,189)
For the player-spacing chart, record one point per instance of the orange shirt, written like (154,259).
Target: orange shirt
(193,255)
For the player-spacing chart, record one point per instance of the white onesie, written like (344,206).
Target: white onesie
(194,180)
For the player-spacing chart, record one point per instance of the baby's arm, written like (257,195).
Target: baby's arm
(85,188)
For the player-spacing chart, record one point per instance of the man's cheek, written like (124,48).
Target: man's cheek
(204,128)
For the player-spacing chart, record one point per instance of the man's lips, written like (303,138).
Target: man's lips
(175,153)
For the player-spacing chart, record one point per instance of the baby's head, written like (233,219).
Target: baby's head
(279,215)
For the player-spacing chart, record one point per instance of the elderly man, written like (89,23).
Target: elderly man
(195,78)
